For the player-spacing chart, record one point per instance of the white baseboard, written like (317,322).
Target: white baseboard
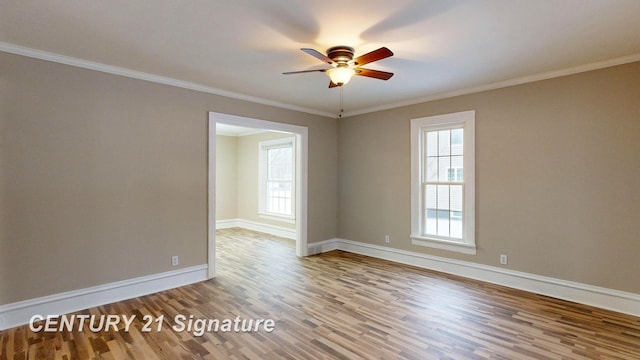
(226,224)
(275,230)
(323,246)
(620,301)
(19,313)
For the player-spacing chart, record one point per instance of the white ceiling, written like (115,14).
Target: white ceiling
(240,48)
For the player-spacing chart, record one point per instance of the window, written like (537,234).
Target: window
(443,181)
(276,177)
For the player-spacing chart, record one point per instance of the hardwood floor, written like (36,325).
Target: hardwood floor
(343,306)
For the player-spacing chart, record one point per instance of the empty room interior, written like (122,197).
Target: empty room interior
(320,179)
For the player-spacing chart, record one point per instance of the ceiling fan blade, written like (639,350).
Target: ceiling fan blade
(375,55)
(302,71)
(318,55)
(382,75)
(332,84)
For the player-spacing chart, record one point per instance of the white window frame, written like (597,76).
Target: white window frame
(466,120)
(263,146)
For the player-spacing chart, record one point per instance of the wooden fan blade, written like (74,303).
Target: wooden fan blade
(318,55)
(375,55)
(332,84)
(382,75)
(302,71)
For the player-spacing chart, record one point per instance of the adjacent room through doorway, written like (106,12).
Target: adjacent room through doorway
(257,179)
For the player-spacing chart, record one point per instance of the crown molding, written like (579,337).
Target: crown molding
(502,84)
(115,70)
(67,60)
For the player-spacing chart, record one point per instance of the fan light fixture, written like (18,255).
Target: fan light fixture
(344,65)
(340,75)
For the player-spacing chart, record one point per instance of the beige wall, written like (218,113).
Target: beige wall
(103,177)
(557,176)
(226,177)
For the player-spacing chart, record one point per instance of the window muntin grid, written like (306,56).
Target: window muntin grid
(443,184)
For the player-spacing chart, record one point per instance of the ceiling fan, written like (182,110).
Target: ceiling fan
(344,66)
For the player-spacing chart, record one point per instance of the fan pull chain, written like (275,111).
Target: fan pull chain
(341,101)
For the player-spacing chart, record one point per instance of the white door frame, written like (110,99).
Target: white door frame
(302,159)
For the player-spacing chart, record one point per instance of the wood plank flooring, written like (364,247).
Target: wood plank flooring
(340,306)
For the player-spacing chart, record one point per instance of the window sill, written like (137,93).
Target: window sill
(444,245)
(284,219)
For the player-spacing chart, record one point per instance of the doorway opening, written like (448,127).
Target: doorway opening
(299,134)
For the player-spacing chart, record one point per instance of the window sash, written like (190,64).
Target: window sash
(455,222)
(279,202)
(439,156)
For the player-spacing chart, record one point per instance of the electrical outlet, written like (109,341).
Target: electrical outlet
(503,259)
(174,261)
(387,239)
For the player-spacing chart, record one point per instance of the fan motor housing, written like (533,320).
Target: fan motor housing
(340,54)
